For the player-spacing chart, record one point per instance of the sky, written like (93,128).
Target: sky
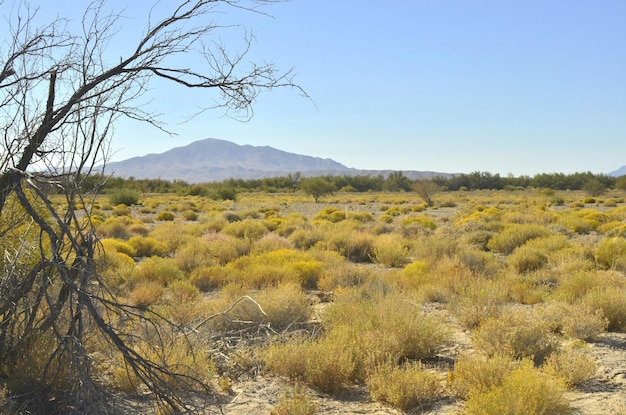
(507,87)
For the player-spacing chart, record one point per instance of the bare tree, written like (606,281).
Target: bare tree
(425,189)
(59,100)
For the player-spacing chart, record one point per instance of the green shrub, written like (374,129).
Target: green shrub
(404,387)
(480,299)
(126,197)
(525,391)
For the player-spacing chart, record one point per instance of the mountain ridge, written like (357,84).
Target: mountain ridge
(212,159)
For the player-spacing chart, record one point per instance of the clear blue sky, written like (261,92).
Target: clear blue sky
(520,87)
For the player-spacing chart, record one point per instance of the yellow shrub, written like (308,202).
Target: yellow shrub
(525,391)
(476,374)
(515,235)
(612,301)
(157,269)
(248,229)
(517,335)
(404,387)
(285,305)
(390,250)
(145,294)
(118,246)
(146,246)
(572,365)
(611,253)
(295,403)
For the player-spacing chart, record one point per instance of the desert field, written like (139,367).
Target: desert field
(486,302)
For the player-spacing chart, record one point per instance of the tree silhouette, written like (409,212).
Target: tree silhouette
(60,99)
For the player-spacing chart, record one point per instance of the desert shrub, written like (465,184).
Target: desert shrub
(397,210)
(208,278)
(145,293)
(572,365)
(404,387)
(330,214)
(114,266)
(295,403)
(306,238)
(329,365)
(248,229)
(138,229)
(611,253)
(126,197)
(171,234)
(385,219)
(117,245)
(182,298)
(612,301)
(363,217)
(423,221)
(121,210)
(190,215)
(165,216)
(272,268)
(477,374)
(288,359)
(354,245)
(526,390)
(517,335)
(146,246)
(390,326)
(39,372)
(192,255)
(480,263)
(344,274)
(515,235)
(478,300)
(231,217)
(284,305)
(290,224)
(113,228)
(390,250)
(157,269)
(575,285)
(271,242)
(527,259)
(224,248)
(576,321)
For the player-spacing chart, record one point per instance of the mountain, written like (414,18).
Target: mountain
(619,172)
(215,160)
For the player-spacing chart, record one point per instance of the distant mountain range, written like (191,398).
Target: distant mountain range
(215,160)
(619,172)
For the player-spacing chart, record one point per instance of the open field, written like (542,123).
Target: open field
(373,303)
